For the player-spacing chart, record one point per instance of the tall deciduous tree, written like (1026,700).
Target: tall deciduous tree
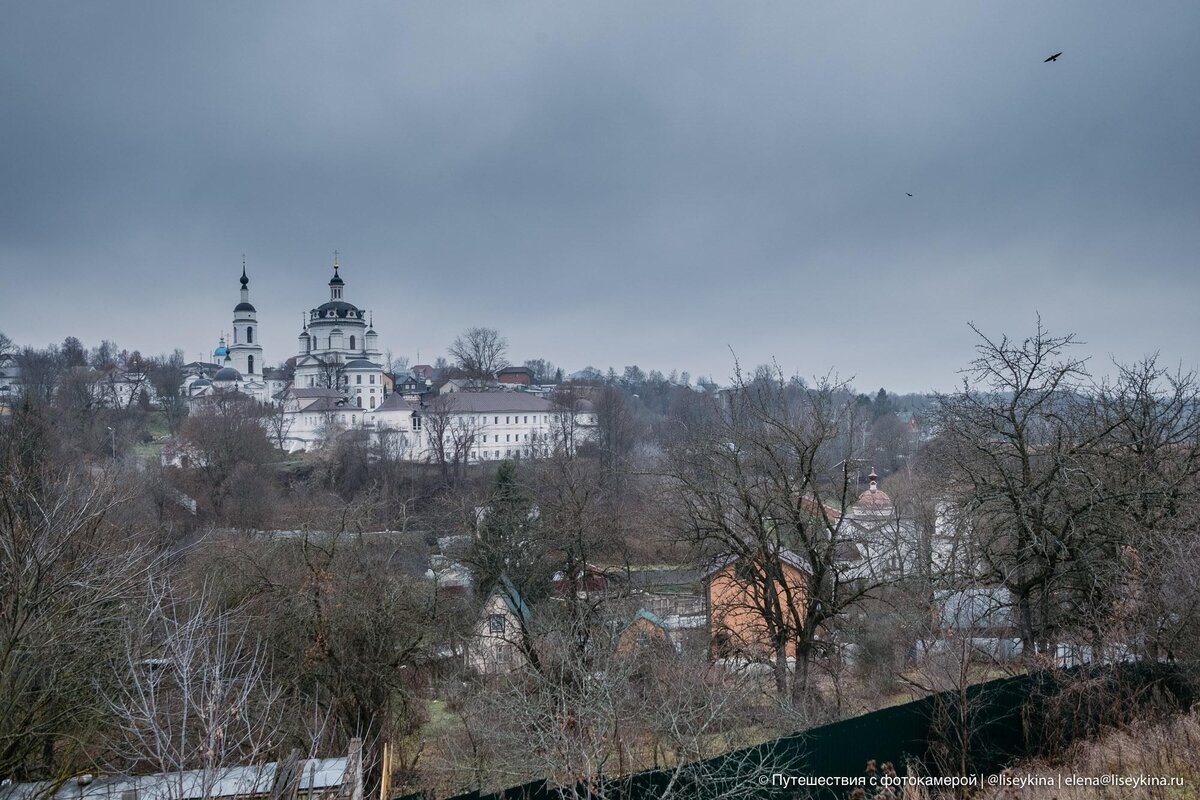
(225,439)
(765,480)
(1064,483)
(68,570)
(480,353)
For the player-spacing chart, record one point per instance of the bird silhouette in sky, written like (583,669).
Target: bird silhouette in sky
(1052,58)
(909,194)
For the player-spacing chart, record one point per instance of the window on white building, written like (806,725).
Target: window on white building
(359,378)
(416,422)
(372,402)
(372,379)
(358,400)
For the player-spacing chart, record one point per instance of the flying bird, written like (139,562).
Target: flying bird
(1052,58)
(909,194)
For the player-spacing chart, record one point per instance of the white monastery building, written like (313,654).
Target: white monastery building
(340,385)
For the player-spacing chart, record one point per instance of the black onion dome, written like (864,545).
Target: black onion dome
(344,310)
(227,374)
(243,307)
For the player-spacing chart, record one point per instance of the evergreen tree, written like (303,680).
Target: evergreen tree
(510,541)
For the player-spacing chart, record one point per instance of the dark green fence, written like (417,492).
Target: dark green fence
(979,731)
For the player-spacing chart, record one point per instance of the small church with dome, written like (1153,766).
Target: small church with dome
(887,541)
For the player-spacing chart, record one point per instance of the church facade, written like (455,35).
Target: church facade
(339,349)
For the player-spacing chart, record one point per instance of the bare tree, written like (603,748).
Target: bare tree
(222,438)
(189,692)
(543,371)
(41,374)
(331,374)
(70,562)
(968,641)
(348,632)
(479,352)
(618,429)
(166,376)
(596,712)
(764,482)
(393,363)
(279,421)
(451,436)
(1045,463)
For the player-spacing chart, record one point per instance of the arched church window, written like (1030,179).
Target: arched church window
(250,364)
(249,336)
(358,400)
(352,341)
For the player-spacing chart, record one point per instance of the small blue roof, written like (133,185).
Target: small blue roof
(512,598)
(650,617)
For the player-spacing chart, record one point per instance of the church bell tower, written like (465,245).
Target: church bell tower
(246,350)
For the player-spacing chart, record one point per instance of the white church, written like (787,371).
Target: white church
(238,366)
(339,385)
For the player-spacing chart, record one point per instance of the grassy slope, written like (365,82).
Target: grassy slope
(1168,749)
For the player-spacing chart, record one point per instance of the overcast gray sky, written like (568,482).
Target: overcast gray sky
(609,183)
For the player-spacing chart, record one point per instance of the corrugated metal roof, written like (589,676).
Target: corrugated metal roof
(978,608)
(197,784)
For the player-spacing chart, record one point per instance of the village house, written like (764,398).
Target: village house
(515,376)
(737,596)
(644,631)
(496,642)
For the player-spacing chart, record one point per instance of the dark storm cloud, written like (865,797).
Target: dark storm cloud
(608,183)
